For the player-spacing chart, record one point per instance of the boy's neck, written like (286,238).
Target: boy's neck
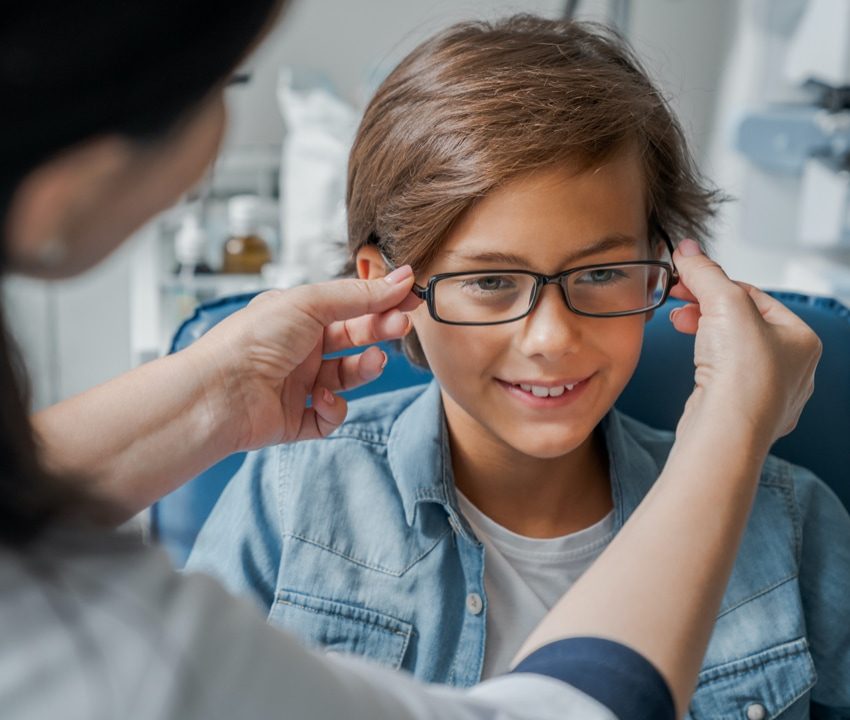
(531,496)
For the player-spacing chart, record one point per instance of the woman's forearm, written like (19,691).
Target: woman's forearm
(139,436)
(658,586)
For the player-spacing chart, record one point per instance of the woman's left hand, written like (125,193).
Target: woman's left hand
(269,358)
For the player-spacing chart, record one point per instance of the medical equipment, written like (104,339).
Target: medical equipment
(802,149)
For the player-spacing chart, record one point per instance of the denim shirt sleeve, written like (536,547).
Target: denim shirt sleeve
(825,591)
(240,543)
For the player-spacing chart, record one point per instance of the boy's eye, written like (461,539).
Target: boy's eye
(489,283)
(601,276)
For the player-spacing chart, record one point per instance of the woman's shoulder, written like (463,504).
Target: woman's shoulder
(83,610)
(96,625)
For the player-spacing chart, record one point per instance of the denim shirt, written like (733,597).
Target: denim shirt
(355,543)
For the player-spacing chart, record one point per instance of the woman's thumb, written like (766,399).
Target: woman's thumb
(699,273)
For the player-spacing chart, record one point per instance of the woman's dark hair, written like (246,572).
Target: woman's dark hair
(481,103)
(72,70)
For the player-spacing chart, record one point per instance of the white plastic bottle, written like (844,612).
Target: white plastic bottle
(190,247)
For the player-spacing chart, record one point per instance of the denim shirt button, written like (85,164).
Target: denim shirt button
(756,711)
(474,603)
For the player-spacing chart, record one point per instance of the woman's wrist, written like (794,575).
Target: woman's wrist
(728,420)
(219,414)
(715,434)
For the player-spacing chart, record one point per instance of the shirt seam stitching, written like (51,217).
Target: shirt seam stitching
(363,563)
(760,593)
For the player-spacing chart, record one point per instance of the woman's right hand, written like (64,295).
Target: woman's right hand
(266,365)
(754,359)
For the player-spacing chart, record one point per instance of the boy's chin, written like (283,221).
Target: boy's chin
(537,445)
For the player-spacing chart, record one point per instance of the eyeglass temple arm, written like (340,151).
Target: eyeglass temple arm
(420,292)
(667,241)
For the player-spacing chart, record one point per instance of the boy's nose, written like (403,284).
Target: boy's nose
(551,330)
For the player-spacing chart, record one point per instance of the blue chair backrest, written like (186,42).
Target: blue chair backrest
(656,395)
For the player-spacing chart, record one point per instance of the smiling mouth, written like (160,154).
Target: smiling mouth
(544,391)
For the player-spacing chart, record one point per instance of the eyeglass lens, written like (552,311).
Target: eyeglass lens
(499,297)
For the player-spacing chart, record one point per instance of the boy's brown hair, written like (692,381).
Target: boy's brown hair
(481,103)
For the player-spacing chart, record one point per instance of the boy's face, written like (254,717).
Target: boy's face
(548,221)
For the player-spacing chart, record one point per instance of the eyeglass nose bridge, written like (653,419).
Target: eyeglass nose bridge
(541,281)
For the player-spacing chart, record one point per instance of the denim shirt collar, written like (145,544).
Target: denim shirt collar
(420,459)
(631,468)
(418,454)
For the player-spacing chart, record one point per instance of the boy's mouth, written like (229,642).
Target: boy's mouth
(545,391)
(541,389)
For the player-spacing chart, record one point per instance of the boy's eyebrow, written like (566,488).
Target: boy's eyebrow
(609,242)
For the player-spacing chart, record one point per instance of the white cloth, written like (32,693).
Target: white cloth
(524,577)
(100,627)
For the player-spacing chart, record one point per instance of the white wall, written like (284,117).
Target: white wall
(353,43)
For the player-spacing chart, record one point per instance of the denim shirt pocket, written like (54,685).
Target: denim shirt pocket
(771,684)
(335,626)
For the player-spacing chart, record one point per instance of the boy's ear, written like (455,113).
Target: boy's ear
(370,264)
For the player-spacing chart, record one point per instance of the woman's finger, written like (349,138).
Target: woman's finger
(351,371)
(336,300)
(680,291)
(411,302)
(326,415)
(703,277)
(686,318)
(365,330)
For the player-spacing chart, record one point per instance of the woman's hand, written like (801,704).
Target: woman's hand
(243,385)
(753,356)
(269,357)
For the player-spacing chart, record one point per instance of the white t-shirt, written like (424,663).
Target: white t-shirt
(524,577)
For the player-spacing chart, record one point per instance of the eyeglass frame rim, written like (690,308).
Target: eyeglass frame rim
(426,293)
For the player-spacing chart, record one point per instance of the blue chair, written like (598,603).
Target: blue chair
(656,395)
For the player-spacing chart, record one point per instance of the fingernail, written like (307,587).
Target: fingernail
(689,248)
(673,314)
(399,275)
(328,396)
(397,323)
(384,361)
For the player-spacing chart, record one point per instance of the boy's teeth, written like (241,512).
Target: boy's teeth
(542,391)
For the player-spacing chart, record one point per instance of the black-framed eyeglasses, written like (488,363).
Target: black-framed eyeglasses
(494,297)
